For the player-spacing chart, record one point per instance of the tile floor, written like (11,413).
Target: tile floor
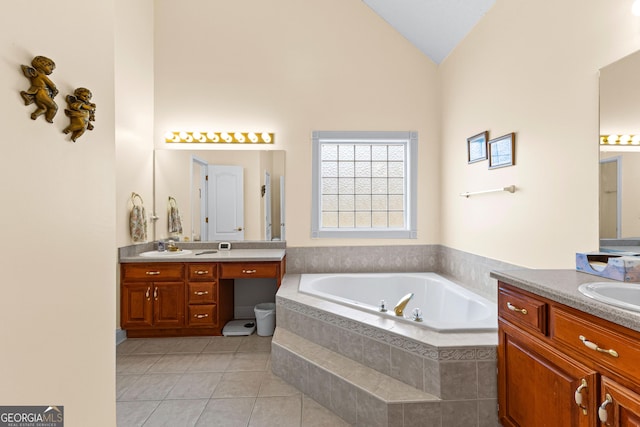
(208,381)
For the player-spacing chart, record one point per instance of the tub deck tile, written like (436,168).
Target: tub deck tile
(379,385)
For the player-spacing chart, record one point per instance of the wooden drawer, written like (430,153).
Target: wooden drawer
(201,292)
(152,272)
(597,340)
(202,315)
(237,270)
(202,271)
(523,309)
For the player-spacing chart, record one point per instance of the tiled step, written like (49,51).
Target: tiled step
(360,395)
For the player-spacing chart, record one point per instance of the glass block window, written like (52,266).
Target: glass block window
(364,184)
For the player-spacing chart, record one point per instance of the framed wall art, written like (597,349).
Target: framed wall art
(477,147)
(502,151)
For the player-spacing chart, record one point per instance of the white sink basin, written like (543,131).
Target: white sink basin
(165,253)
(623,295)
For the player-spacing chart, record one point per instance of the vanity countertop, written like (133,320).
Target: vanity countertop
(562,286)
(206,255)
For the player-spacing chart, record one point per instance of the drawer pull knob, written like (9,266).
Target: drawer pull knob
(516,309)
(200,316)
(594,346)
(200,293)
(152,273)
(578,396)
(249,271)
(602,410)
(201,272)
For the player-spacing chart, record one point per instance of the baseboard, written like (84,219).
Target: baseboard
(121,336)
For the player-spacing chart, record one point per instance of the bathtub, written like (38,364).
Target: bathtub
(445,306)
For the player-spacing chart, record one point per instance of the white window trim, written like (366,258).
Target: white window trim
(411,165)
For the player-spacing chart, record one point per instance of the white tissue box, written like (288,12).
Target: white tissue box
(624,268)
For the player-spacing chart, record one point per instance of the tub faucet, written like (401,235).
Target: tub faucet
(399,308)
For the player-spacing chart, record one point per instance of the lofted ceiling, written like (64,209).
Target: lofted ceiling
(433,26)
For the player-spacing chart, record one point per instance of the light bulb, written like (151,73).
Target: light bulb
(168,136)
(624,139)
(197,136)
(266,137)
(183,135)
(189,138)
(253,137)
(635,140)
(239,137)
(613,139)
(211,135)
(635,8)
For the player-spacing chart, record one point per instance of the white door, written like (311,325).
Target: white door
(610,199)
(198,199)
(267,206)
(282,235)
(225,203)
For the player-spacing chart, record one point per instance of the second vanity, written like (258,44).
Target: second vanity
(564,359)
(190,293)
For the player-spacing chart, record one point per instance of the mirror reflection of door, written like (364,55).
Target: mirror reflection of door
(225,203)
(282,235)
(266,197)
(198,189)
(610,198)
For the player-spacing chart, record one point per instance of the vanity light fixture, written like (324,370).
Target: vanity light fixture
(619,139)
(221,137)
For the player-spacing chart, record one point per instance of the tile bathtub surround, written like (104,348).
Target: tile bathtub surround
(447,372)
(459,369)
(208,381)
(469,270)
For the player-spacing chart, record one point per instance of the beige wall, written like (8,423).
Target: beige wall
(530,68)
(57,299)
(291,67)
(134,86)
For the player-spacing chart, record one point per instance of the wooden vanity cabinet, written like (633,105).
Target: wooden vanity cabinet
(253,270)
(558,366)
(209,300)
(184,299)
(152,296)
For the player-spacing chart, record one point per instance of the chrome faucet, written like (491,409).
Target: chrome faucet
(400,306)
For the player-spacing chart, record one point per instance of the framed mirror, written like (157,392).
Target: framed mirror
(226,195)
(620,163)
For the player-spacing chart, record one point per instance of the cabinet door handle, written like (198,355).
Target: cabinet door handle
(200,293)
(516,309)
(602,410)
(578,396)
(152,273)
(249,271)
(201,272)
(155,293)
(200,316)
(594,346)
(146,294)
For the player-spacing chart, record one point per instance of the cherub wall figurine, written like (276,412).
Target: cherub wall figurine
(81,113)
(42,90)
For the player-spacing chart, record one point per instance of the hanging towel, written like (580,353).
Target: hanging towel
(175,222)
(137,219)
